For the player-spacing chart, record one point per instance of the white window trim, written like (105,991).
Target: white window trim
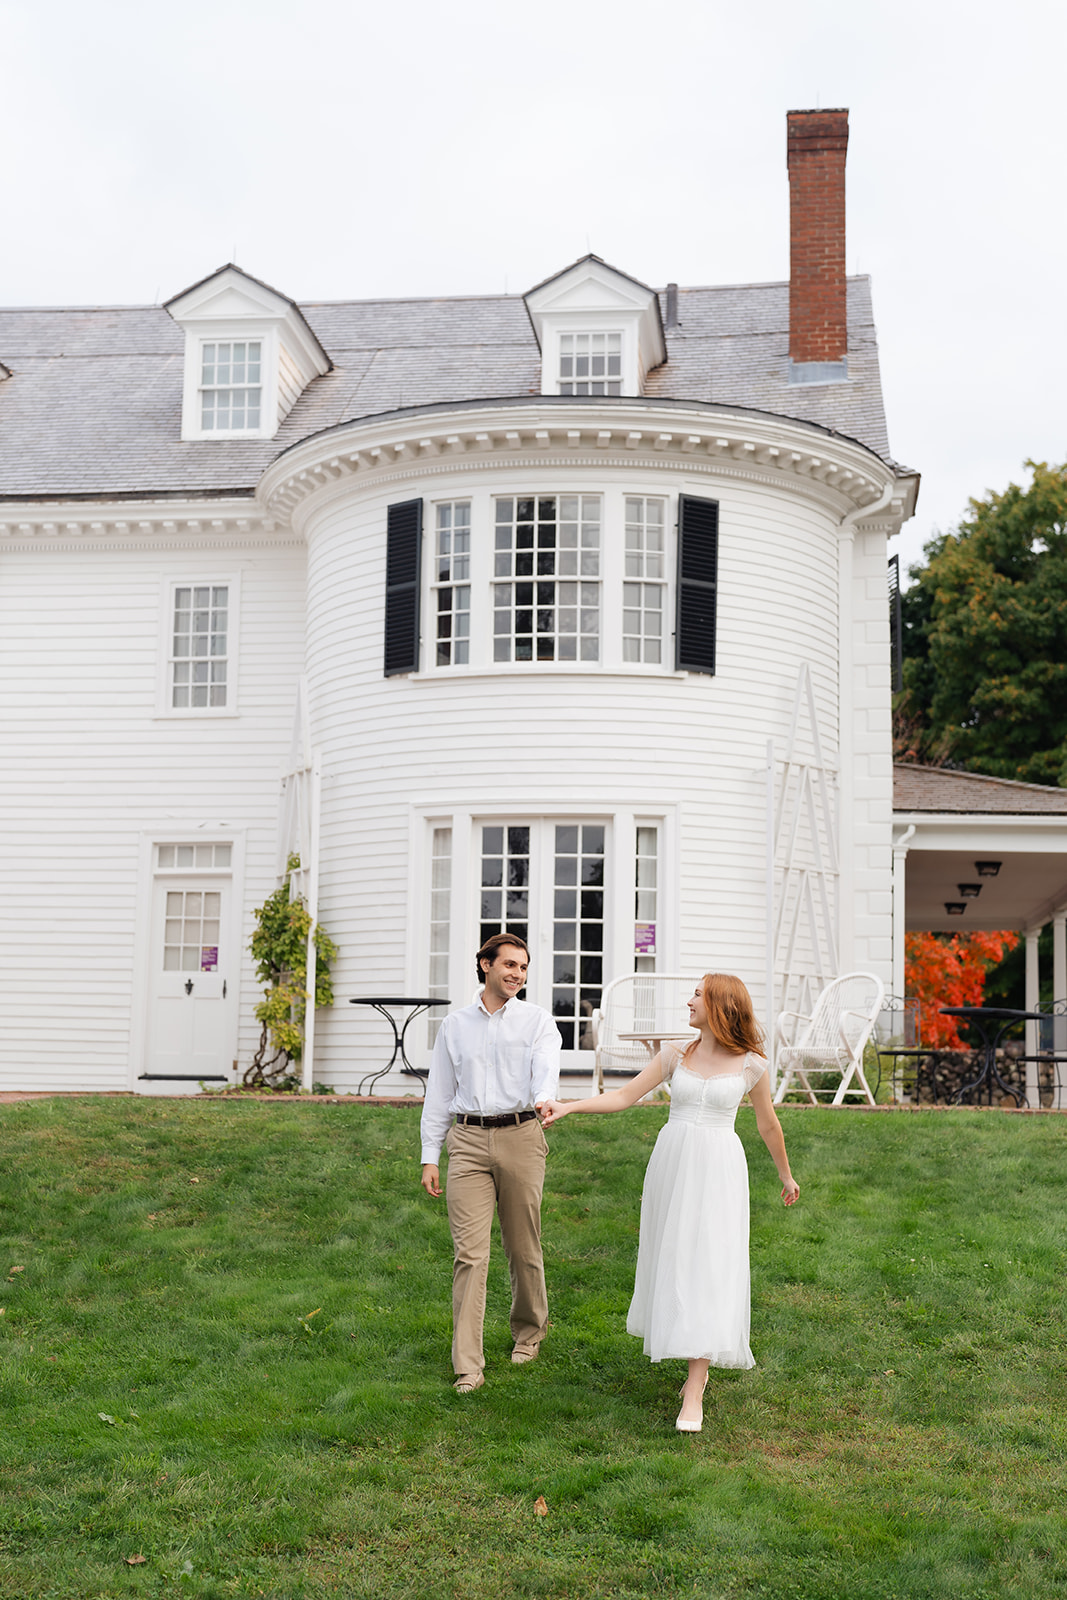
(622,822)
(613,497)
(226,332)
(558,323)
(164,709)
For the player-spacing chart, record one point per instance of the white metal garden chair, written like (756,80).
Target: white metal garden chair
(831,1040)
(636,1014)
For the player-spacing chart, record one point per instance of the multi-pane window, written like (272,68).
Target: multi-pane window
(505,902)
(440,920)
(199,647)
(549,545)
(590,363)
(577,930)
(642,601)
(184,856)
(452,570)
(231,385)
(191,931)
(646,892)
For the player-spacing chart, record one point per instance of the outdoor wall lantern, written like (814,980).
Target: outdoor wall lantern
(955,908)
(987,869)
(969,891)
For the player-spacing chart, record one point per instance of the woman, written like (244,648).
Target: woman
(691,1294)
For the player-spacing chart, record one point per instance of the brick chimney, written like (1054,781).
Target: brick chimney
(818,318)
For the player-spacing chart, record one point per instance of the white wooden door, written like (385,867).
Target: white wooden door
(191,988)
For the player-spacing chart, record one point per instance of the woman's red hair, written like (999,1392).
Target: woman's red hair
(730,1015)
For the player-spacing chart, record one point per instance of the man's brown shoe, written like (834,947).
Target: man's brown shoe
(467,1382)
(523,1353)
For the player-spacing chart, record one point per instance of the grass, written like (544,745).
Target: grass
(167,1393)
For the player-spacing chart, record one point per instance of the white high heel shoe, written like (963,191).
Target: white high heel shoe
(690,1427)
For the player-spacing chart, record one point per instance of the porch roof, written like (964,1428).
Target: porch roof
(947,822)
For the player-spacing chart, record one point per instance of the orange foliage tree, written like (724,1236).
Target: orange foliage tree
(950,970)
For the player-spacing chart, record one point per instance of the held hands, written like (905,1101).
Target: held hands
(550,1111)
(431,1180)
(790,1191)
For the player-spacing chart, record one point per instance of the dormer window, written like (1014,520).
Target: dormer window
(230,385)
(599,331)
(590,363)
(249,356)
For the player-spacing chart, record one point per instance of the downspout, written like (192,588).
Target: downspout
(846,530)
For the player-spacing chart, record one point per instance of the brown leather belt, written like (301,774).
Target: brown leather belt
(512,1119)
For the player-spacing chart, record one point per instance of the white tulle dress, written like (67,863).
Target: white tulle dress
(691,1293)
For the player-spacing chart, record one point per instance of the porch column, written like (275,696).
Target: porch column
(1059,993)
(1033,995)
(900,862)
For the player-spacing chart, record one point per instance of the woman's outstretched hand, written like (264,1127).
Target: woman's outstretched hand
(551,1111)
(790,1192)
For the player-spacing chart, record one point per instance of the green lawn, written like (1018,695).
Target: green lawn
(167,1394)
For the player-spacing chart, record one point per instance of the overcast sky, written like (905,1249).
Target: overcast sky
(348,150)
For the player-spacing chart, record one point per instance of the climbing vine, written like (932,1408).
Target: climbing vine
(279,949)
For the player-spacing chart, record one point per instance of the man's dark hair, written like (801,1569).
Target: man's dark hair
(491,946)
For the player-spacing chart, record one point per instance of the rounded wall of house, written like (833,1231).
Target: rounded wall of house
(545,767)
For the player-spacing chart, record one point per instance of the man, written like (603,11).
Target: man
(494,1062)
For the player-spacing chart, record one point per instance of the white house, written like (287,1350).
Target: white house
(577,601)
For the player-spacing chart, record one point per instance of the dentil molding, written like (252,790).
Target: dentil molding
(839,473)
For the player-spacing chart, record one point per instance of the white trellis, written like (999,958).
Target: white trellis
(298,834)
(802,863)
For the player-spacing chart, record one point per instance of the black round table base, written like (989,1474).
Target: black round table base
(379,1003)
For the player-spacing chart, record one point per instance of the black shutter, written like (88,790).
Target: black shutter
(403,564)
(698,564)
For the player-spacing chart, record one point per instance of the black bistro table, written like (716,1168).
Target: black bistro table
(381,1003)
(992,1023)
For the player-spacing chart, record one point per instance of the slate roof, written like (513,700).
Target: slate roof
(917,788)
(93,406)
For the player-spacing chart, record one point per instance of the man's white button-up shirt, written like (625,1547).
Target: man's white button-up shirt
(489,1063)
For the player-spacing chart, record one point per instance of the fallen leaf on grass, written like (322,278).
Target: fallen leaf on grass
(2,1310)
(194,1180)
(11,1271)
(111,1421)
(152,1216)
(540,1506)
(135,1561)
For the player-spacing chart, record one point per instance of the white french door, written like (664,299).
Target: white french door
(544,879)
(191,984)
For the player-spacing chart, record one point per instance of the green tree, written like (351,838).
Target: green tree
(985,638)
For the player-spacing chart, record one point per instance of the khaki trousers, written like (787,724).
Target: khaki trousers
(501,1169)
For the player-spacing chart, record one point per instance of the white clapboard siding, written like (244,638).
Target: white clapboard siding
(528,741)
(99,769)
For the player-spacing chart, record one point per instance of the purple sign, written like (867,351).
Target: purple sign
(209,957)
(644,938)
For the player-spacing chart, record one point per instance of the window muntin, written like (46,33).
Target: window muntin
(452,570)
(199,647)
(646,898)
(534,869)
(577,930)
(440,921)
(185,857)
(505,893)
(231,391)
(590,363)
(643,603)
(191,931)
(550,546)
